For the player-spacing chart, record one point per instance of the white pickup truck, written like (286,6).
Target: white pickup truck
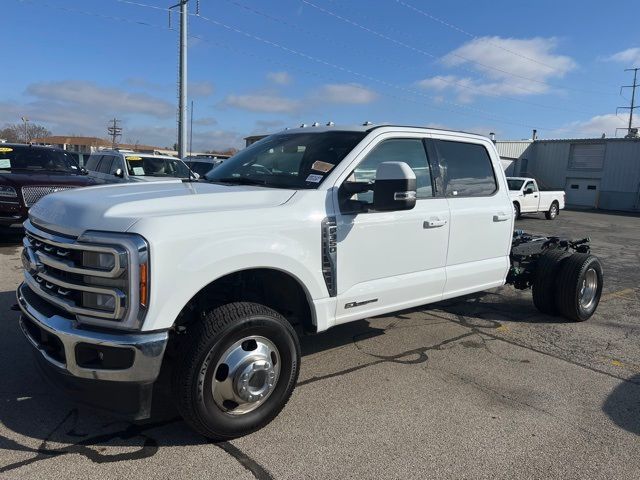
(527,197)
(213,280)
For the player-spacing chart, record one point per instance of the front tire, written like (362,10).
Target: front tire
(553,211)
(516,208)
(235,370)
(579,287)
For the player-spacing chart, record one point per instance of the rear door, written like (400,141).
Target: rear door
(481,214)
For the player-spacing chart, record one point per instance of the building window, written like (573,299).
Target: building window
(587,156)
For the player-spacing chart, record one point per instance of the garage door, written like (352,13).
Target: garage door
(582,192)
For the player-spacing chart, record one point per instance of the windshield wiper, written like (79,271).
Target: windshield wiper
(240,181)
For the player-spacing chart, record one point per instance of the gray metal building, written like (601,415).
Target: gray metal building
(597,173)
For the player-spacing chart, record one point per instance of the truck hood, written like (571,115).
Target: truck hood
(117,207)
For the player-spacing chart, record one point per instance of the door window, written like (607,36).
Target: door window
(105,164)
(92,163)
(408,150)
(467,169)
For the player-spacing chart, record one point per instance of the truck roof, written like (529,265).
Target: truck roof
(369,127)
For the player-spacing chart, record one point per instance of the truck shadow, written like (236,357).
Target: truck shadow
(622,405)
(32,410)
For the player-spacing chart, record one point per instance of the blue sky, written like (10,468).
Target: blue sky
(259,66)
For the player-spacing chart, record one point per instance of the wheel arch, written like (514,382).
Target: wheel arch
(273,287)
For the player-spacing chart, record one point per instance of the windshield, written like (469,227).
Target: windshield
(514,183)
(201,168)
(295,160)
(156,167)
(23,158)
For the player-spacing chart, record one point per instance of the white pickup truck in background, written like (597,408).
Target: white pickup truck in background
(527,197)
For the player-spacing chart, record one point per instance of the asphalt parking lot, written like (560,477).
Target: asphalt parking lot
(481,387)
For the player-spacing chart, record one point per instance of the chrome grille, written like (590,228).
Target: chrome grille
(32,194)
(55,270)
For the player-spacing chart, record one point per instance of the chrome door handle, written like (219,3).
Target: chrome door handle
(501,217)
(434,223)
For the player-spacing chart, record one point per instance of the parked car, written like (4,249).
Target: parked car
(28,173)
(214,280)
(527,197)
(117,166)
(202,164)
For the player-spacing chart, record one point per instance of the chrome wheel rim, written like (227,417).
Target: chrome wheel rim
(246,375)
(588,289)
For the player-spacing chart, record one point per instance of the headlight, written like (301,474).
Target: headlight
(98,301)
(101,261)
(8,193)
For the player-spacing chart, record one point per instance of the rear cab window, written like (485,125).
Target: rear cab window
(467,168)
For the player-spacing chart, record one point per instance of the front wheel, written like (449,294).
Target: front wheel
(516,209)
(235,370)
(552,213)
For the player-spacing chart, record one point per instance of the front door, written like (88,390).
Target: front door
(530,201)
(388,261)
(481,216)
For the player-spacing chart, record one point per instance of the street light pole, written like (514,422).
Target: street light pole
(26,129)
(182,106)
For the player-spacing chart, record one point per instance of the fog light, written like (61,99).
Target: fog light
(99,301)
(102,261)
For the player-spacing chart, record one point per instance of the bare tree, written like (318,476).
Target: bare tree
(17,133)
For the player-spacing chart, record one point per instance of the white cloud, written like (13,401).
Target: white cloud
(280,78)
(77,93)
(262,102)
(205,121)
(504,66)
(630,56)
(200,89)
(346,93)
(593,127)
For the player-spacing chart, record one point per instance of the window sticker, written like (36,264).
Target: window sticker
(5,163)
(320,166)
(134,158)
(5,149)
(138,171)
(314,178)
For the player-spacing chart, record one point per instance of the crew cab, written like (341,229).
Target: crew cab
(213,281)
(527,197)
(28,173)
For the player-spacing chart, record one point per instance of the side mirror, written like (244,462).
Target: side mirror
(395,187)
(119,173)
(528,191)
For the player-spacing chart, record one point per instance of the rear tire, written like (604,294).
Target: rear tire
(553,211)
(579,284)
(544,285)
(235,370)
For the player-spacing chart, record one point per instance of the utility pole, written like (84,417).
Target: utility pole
(25,120)
(182,79)
(115,131)
(191,131)
(630,133)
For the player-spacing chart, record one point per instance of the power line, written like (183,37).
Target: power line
(462,85)
(437,57)
(487,115)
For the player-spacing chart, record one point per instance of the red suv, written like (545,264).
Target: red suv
(28,173)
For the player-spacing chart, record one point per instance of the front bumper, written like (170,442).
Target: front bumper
(79,356)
